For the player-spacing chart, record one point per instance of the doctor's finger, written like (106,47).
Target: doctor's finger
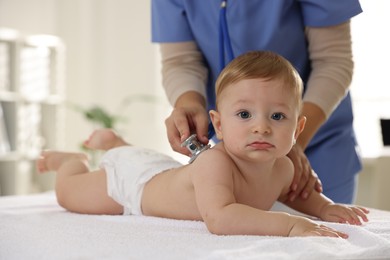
(306,175)
(176,132)
(309,187)
(201,127)
(304,186)
(318,185)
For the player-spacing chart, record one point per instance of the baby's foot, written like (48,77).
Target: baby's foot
(104,139)
(52,160)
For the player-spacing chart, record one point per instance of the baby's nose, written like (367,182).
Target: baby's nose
(261,127)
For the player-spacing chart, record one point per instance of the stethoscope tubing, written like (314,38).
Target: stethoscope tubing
(225,44)
(225,49)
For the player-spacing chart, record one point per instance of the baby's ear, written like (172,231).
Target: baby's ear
(216,120)
(300,126)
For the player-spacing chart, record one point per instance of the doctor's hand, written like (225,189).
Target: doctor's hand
(188,117)
(305,179)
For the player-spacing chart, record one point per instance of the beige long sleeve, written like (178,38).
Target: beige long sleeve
(183,69)
(330,52)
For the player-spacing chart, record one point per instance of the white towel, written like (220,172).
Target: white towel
(35,227)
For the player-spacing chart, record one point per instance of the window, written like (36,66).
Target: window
(370,87)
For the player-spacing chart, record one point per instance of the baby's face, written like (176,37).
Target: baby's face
(258,118)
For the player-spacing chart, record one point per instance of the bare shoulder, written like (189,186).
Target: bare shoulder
(216,154)
(285,173)
(211,163)
(213,158)
(285,165)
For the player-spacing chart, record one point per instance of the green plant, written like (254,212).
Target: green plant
(98,115)
(101,117)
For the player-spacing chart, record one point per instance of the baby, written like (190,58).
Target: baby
(231,186)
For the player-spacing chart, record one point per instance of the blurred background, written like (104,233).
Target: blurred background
(70,66)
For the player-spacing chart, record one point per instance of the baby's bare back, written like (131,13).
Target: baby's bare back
(171,195)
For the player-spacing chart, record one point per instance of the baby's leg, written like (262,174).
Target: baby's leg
(104,139)
(77,189)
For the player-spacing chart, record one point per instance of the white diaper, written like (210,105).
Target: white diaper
(128,168)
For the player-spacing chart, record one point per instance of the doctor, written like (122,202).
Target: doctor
(198,38)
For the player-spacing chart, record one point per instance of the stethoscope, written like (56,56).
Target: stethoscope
(225,56)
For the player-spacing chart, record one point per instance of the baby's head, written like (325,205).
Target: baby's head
(259,99)
(261,64)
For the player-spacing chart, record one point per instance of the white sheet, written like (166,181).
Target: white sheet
(35,227)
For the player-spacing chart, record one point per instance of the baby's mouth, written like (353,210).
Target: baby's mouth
(261,145)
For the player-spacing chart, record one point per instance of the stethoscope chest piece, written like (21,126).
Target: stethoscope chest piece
(194,146)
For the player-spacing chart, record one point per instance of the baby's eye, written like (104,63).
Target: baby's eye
(244,114)
(277,116)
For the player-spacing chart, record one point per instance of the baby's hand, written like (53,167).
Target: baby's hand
(344,214)
(303,227)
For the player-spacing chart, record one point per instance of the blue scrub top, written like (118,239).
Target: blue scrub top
(279,26)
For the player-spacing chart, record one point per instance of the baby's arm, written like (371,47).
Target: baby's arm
(224,215)
(318,205)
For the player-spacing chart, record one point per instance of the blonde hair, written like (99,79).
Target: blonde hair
(260,64)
